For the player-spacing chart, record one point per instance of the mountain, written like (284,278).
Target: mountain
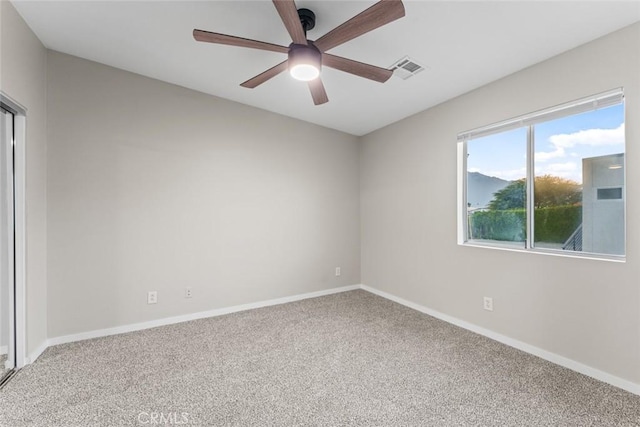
(480,188)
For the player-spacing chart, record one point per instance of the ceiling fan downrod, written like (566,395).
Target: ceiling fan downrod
(307,19)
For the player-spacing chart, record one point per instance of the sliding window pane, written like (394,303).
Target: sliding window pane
(579,182)
(496,193)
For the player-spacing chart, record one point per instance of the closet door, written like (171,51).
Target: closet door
(7,234)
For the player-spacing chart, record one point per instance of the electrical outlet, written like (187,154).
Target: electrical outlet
(488,303)
(338,272)
(188,293)
(152,297)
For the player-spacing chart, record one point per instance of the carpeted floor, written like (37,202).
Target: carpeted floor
(351,359)
(3,371)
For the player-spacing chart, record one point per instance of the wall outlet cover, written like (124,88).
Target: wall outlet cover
(152,297)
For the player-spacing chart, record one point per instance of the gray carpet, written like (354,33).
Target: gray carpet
(3,371)
(350,359)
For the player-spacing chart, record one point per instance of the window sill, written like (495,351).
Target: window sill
(540,251)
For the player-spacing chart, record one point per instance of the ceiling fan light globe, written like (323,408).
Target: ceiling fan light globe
(304,72)
(305,62)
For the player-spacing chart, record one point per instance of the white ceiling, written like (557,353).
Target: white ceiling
(464,45)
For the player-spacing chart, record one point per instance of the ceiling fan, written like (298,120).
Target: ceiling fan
(306,57)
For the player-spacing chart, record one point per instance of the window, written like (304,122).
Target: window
(552,180)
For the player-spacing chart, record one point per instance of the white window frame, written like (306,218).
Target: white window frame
(528,121)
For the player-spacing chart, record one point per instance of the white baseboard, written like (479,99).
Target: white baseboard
(528,348)
(33,356)
(193,316)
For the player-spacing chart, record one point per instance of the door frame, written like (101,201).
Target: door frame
(19,171)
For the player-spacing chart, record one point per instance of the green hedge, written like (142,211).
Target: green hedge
(498,225)
(555,224)
(552,224)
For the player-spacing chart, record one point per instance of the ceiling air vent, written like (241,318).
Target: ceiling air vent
(405,68)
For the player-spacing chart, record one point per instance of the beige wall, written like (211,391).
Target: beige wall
(586,310)
(156,187)
(23,78)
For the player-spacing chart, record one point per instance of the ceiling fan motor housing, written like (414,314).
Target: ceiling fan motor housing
(304,54)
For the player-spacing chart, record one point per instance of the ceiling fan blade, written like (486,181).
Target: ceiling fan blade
(379,14)
(209,37)
(289,15)
(263,77)
(360,69)
(317,91)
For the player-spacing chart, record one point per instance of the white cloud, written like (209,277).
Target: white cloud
(562,167)
(569,170)
(508,175)
(589,137)
(543,156)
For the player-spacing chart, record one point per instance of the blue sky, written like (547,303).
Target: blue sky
(560,145)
